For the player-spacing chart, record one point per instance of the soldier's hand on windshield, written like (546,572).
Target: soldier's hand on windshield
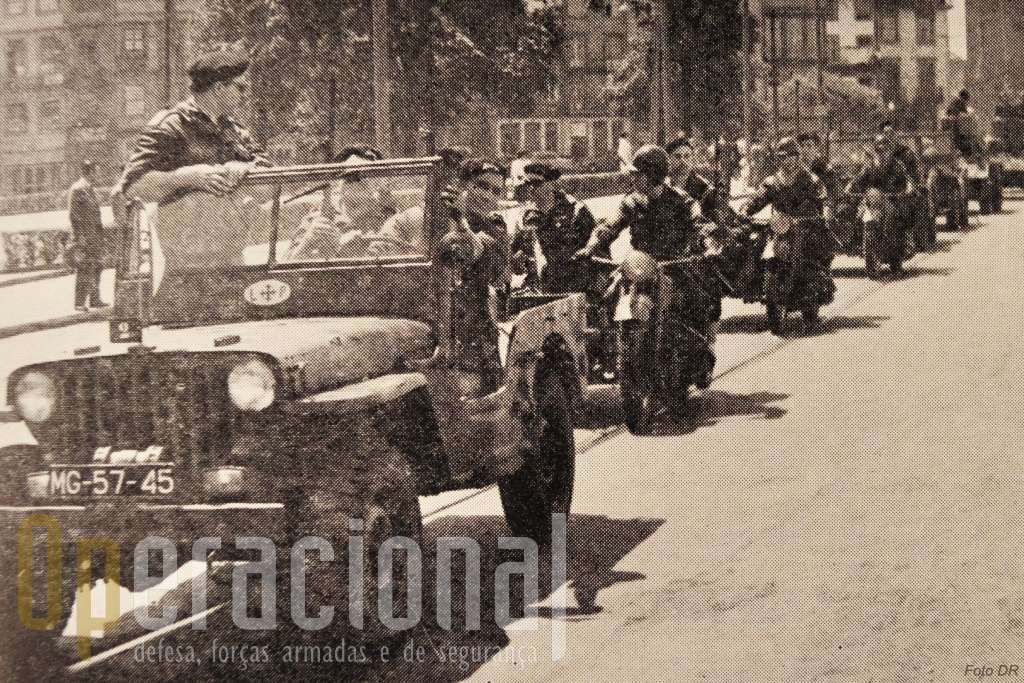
(212,179)
(236,170)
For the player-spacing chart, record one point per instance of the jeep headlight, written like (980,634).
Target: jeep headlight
(251,385)
(35,395)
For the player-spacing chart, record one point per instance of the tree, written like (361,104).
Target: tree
(445,55)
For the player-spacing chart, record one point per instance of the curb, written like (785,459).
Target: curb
(54,323)
(33,277)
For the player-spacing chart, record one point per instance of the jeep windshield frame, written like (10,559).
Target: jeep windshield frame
(196,259)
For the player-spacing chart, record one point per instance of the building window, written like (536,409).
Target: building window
(36,179)
(865,41)
(925,27)
(888,26)
(135,40)
(862,9)
(17,117)
(576,52)
(614,52)
(832,48)
(17,59)
(831,10)
(46,6)
(50,115)
(51,60)
(16,7)
(134,101)
(509,142)
(794,38)
(550,136)
(926,83)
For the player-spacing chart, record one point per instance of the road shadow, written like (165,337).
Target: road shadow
(746,323)
(708,409)
(837,323)
(594,545)
(910,271)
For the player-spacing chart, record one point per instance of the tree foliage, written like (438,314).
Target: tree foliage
(444,55)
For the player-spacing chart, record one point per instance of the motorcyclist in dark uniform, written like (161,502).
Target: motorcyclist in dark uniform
(890,178)
(684,177)
(917,208)
(813,159)
(666,223)
(554,226)
(796,194)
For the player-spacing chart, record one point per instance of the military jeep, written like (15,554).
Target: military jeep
(282,361)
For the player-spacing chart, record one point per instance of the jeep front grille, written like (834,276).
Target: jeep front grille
(176,401)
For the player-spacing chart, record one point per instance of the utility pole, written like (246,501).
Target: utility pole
(168,11)
(748,123)
(660,9)
(775,76)
(820,33)
(381,76)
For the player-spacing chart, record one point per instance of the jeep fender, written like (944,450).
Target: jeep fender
(556,332)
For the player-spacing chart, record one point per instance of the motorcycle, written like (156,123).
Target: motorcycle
(788,267)
(883,217)
(659,360)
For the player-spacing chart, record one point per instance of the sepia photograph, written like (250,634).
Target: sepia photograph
(519,341)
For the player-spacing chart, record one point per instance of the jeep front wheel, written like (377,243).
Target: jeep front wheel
(543,485)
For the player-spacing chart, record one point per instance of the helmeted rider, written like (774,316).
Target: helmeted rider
(881,183)
(796,195)
(666,223)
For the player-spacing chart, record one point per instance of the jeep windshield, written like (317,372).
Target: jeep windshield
(354,217)
(318,240)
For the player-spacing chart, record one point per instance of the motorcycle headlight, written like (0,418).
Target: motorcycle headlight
(35,395)
(251,385)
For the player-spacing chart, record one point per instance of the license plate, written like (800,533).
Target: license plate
(99,481)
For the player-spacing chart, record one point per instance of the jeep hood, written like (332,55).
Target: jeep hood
(326,352)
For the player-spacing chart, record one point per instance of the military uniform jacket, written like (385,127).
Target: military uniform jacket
(185,136)
(701,191)
(561,231)
(665,227)
(891,177)
(86,224)
(802,195)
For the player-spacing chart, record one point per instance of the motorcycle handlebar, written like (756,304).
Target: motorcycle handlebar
(685,260)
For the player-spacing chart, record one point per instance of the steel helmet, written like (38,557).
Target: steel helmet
(652,161)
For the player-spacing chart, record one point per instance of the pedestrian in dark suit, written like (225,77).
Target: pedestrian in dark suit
(87,231)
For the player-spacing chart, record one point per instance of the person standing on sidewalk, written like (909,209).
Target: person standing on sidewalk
(87,232)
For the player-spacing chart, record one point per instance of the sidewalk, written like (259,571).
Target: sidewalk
(46,303)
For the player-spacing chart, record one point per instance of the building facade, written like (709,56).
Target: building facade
(901,48)
(995,54)
(79,79)
(578,120)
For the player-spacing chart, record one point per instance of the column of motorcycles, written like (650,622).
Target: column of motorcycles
(782,262)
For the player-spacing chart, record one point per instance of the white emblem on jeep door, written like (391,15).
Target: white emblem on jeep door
(267,292)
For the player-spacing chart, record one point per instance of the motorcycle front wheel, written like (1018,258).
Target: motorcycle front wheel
(636,381)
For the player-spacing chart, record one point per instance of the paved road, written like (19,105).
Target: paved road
(845,510)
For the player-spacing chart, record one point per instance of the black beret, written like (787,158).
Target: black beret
(471,168)
(538,171)
(676,144)
(214,67)
(361,151)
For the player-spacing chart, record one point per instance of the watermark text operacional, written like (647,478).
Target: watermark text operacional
(264,571)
